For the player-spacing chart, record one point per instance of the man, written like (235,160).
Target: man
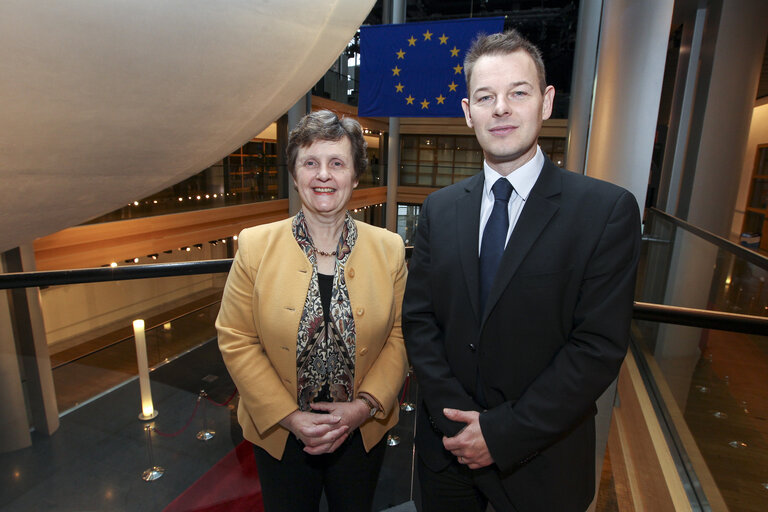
(517,306)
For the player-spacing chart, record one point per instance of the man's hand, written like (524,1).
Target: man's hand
(469,444)
(320,433)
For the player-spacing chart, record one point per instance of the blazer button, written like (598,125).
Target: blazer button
(363,351)
(472,347)
(360,311)
(351,272)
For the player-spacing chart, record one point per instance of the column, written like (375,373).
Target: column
(14,424)
(630,69)
(614,105)
(731,59)
(680,111)
(29,328)
(284,126)
(582,84)
(393,151)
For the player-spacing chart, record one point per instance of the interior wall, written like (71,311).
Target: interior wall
(758,134)
(72,311)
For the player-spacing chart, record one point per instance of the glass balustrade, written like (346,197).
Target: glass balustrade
(713,383)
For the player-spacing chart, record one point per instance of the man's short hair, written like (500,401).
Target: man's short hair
(325,125)
(503,43)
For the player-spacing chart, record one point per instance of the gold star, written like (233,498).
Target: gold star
(425,104)
(452,86)
(399,87)
(409,100)
(440,100)
(411,41)
(396,71)
(457,69)
(454,51)
(401,54)
(427,35)
(444,39)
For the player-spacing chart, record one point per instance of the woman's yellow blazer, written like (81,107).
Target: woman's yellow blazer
(259,320)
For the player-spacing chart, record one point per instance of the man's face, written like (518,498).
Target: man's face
(506,107)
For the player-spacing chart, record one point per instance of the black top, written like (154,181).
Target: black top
(325,283)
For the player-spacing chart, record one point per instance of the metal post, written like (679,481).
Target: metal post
(393,153)
(154,472)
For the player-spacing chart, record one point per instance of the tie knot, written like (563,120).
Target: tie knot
(502,189)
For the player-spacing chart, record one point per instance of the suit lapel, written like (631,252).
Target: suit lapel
(540,207)
(468,231)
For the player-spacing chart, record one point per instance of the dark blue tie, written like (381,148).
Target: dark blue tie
(494,237)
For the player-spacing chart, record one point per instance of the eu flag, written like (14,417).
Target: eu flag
(417,69)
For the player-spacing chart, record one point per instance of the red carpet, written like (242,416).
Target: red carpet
(232,485)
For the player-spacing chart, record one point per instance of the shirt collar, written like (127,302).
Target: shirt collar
(522,179)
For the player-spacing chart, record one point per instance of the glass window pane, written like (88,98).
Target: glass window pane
(759,198)
(428,142)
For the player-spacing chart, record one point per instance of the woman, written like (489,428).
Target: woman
(309,329)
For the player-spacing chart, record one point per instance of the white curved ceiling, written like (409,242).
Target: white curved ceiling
(104,102)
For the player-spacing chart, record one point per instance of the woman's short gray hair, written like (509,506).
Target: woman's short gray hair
(325,125)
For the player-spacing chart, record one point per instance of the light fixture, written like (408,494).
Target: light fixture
(113,264)
(148,411)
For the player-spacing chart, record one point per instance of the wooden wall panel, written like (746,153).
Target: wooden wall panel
(639,452)
(94,245)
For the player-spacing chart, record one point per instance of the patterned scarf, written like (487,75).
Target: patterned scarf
(325,354)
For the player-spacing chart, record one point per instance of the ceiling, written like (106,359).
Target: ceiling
(103,102)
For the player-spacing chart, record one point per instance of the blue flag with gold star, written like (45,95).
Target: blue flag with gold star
(417,69)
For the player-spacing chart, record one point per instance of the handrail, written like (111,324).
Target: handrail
(642,310)
(707,319)
(739,250)
(101,274)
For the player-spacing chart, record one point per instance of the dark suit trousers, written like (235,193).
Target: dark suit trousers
(457,488)
(296,483)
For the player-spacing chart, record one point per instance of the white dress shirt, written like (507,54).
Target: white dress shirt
(522,179)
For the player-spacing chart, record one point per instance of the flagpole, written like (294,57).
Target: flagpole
(393,145)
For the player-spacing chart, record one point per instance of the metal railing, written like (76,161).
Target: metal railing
(642,310)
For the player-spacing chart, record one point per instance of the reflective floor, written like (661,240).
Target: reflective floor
(96,459)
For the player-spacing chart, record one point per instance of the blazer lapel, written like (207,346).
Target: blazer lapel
(539,209)
(468,231)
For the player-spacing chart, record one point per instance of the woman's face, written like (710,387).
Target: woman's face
(325,176)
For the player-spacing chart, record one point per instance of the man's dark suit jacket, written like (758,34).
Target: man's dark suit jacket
(552,338)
